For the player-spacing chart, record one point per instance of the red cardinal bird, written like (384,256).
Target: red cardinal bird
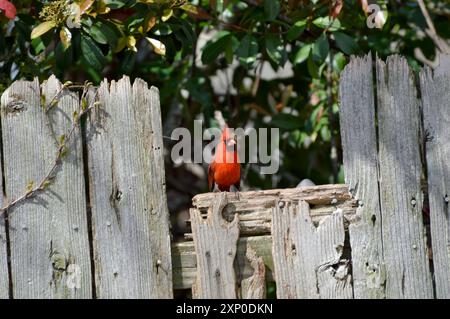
(225,169)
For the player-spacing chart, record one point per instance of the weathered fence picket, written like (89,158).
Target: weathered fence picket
(48,235)
(435,89)
(215,246)
(404,244)
(127,192)
(357,114)
(308,259)
(108,236)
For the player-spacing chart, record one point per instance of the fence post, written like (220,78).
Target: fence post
(435,88)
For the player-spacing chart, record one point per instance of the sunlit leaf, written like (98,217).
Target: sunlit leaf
(195,11)
(296,30)
(327,23)
(166,15)
(158,46)
(131,43)
(85,5)
(42,28)
(65,37)
(303,53)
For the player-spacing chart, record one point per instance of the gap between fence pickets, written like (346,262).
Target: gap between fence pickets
(5,283)
(435,92)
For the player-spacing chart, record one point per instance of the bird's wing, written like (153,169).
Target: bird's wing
(211,177)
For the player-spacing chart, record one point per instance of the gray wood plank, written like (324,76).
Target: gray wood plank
(435,90)
(215,242)
(308,260)
(404,245)
(254,287)
(359,143)
(127,193)
(184,260)
(49,242)
(4,279)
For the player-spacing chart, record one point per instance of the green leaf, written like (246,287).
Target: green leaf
(230,48)
(321,48)
(296,30)
(271,9)
(63,56)
(313,69)
(327,23)
(42,28)
(286,121)
(247,50)
(275,49)
(213,49)
(346,43)
(166,15)
(103,33)
(92,53)
(37,45)
(339,61)
(127,62)
(115,4)
(302,54)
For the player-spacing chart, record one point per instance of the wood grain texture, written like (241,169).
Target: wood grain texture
(405,251)
(435,89)
(254,287)
(127,193)
(215,242)
(184,260)
(255,207)
(49,241)
(4,278)
(359,144)
(308,261)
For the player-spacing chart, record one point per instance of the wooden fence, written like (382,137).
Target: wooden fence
(101,229)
